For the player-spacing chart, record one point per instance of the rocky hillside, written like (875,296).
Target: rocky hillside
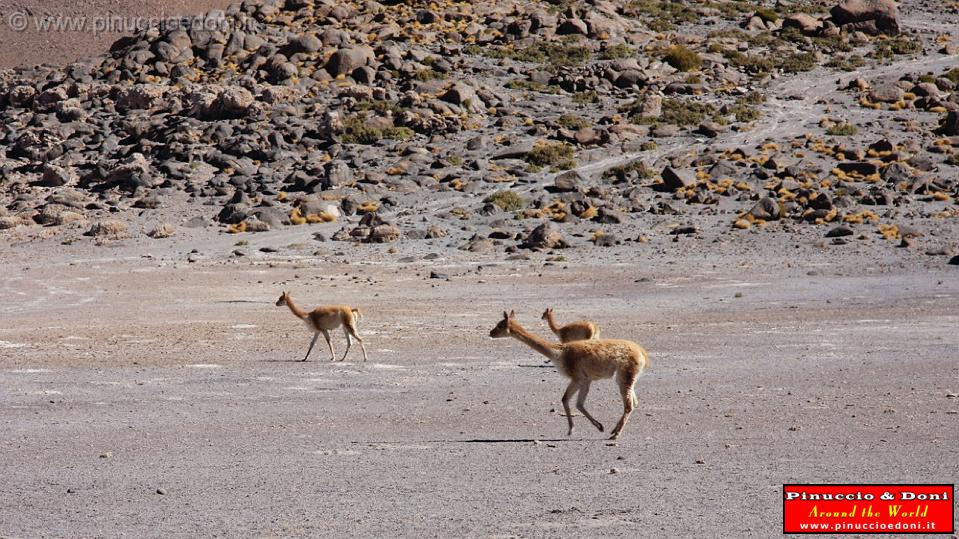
(522,124)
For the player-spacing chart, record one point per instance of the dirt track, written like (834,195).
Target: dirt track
(120,378)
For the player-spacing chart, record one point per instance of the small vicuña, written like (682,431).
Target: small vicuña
(325,318)
(585,361)
(580,330)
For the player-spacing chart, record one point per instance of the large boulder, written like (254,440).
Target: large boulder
(463,95)
(950,124)
(139,96)
(545,236)
(674,179)
(883,13)
(345,61)
(232,102)
(807,24)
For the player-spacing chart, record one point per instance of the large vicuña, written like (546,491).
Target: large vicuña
(585,361)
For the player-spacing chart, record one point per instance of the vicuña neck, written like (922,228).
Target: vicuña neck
(300,313)
(540,345)
(551,322)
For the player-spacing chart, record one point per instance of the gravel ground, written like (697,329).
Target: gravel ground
(77,29)
(144,397)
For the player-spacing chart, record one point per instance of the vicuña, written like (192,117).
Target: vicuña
(585,361)
(580,330)
(325,318)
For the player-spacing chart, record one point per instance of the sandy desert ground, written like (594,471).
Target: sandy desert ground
(146,396)
(102,21)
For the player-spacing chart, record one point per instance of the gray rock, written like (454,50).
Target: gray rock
(54,176)
(545,236)
(883,13)
(345,61)
(463,95)
(807,24)
(766,209)
(385,233)
(887,93)
(839,232)
(676,179)
(573,26)
(568,181)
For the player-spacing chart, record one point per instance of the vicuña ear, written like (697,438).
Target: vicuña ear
(512,314)
(505,314)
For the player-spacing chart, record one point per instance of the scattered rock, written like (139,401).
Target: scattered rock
(545,237)
(162,231)
(882,13)
(839,232)
(677,179)
(108,229)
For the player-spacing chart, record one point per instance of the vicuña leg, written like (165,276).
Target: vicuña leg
(349,343)
(626,383)
(581,405)
(310,349)
(351,328)
(570,389)
(329,342)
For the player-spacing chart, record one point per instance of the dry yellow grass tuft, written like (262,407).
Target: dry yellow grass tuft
(296,217)
(889,232)
(861,217)
(368,207)
(237,228)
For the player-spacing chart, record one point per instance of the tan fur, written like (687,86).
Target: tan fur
(585,361)
(579,330)
(323,319)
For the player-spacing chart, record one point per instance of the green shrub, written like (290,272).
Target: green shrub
(585,98)
(622,171)
(953,75)
(532,86)
(682,58)
(620,50)
(507,200)
(794,63)
(554,55)
(896,46)
(559,156)
(428,74)
(745,112)
(571,121)
(356,131)
(953,159)
(380,107)
(843,129)
(660,16)
(851,62)
(674,111)
(767,15)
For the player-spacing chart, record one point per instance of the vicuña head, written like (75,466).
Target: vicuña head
(502,329)
(547,314)
(585,361)
(284,299)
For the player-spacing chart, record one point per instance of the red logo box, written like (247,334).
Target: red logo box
(869,509)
